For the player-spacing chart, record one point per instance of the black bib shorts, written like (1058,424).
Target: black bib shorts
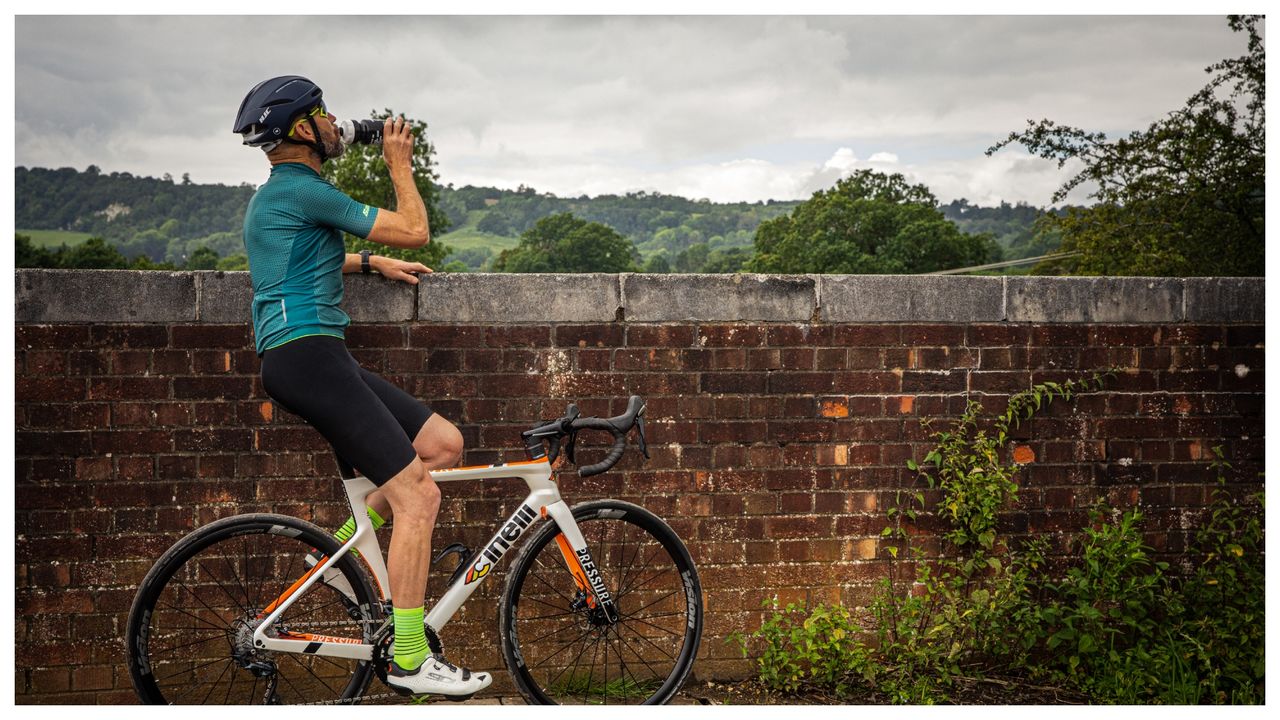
(370,423)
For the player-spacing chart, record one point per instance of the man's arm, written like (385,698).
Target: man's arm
(407,225)
(391,268)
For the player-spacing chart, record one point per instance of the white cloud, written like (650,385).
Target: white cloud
(886,158)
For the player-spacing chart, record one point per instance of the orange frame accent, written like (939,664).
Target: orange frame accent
(575,568)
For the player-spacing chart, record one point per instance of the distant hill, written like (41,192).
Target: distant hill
(168,220)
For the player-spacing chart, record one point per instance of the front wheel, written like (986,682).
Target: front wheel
(560,651)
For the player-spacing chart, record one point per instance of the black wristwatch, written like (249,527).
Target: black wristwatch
(364,262)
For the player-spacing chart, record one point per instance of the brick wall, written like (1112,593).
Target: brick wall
(782,411)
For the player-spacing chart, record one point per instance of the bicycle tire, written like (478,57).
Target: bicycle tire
(210,584)
(665,620)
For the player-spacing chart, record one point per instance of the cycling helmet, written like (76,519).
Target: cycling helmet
(267,112)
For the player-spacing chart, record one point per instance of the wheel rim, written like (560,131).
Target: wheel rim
(568,654)
(196,648)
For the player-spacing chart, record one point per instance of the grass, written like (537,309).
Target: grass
(53,239)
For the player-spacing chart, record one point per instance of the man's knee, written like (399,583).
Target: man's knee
(439,443)
(413,491)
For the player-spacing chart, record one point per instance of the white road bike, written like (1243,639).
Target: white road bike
(602,604)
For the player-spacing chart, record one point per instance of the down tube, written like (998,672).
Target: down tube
(482,566)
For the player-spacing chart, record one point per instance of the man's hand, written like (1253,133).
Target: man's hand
(401,270)
(397,144)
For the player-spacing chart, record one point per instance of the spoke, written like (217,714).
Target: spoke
(673,613)
(226,699)
(222,629)
(285,678)
(304,666)
(655,602)
(634,583)
(575,660)
(540,601)
(565,613)
(187,645)
(553,631)
(248,598)
(562,647)
(205,605)
(628,565)
(244,587)
(621,660)
(537,576)
(638,655)
(218,582)
(214,685)
(651,643)
(586,689)
(193,669)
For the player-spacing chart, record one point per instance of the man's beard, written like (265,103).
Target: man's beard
(333,149)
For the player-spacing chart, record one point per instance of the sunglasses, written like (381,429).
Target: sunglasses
(319,110)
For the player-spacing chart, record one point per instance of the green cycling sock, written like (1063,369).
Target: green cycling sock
(411,638)
(348,528)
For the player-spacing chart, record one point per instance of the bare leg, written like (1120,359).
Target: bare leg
(413,497)
(439,446)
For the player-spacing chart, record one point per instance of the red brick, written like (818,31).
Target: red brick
(735,335)
(129,336)
(610,336)
(210,336)
(50,336)
(446,336)
(363,335)
(663,336)
(49,389)
(208,388)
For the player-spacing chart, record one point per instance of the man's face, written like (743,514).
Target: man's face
(327,125)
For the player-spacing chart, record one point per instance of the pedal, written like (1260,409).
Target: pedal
(464,555)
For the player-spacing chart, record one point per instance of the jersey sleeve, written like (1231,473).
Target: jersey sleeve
(327,205)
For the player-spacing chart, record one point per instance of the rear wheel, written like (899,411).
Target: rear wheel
(561,651)
(192,621)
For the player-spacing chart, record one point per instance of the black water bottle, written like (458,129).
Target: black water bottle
(363,132)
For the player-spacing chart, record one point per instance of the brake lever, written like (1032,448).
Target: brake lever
(569,446)
(644,445)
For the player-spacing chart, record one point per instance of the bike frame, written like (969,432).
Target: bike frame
(543,501)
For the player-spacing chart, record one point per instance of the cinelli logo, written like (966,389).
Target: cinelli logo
(500,543)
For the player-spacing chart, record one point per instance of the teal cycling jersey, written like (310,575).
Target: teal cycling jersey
(293,236)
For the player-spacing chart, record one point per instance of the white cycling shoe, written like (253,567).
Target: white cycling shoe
(437,676)
(332,577)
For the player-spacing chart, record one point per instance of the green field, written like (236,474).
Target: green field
(52,239)
(467,237)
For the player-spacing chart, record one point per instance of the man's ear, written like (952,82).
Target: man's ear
(302,131)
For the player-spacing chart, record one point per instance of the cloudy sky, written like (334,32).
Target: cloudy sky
(726,108)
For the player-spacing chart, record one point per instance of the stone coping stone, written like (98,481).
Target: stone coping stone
(519,298)
(1093,299)
(911,298)
(718,298)
(1226,300)
(104,296)
(227,297)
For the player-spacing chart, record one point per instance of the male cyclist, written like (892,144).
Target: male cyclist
(293,236)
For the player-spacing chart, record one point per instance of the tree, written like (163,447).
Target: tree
(869,223)
(29,255)
(203,259)
(1183,197)
(362,173)
(92,253)
(564,243)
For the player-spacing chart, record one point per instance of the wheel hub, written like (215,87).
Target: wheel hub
(258,662)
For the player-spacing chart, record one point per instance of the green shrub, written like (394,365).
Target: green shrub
(1116,625)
